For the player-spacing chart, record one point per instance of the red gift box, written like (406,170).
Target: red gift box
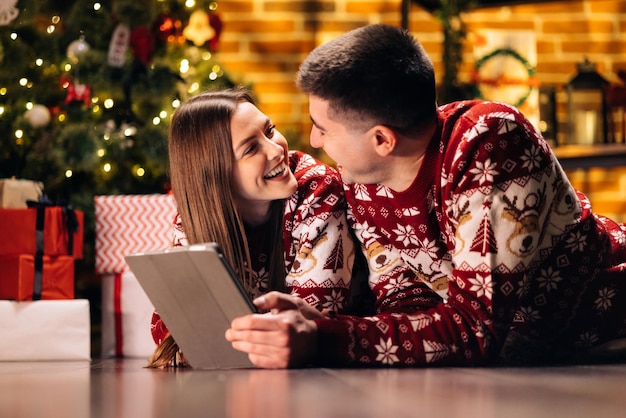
(17,277)
(21,232)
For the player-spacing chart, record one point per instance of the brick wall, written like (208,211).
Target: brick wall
(264,41)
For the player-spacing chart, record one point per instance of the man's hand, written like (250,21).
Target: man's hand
(284,337)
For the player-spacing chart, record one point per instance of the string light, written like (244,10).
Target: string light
(184,66)
(69,173)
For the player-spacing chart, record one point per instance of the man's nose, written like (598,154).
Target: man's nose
(316,139)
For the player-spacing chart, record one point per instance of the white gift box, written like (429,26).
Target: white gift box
(126,317)
(45,330)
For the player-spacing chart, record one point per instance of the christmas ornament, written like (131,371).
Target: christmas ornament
(76,48)
(199,30)
(8,11)
(77,92)
(142,44)
(216,23)
(118,46)
(38,116)
(167,28)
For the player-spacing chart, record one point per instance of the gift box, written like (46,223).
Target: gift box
(14,193)
(60,230)
(31,277)
(45,330)
(126,317)
(131,223)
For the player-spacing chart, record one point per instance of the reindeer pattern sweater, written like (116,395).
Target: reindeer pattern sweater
(318,248)
(490,256)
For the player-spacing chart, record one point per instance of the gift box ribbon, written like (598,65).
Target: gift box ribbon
(71,224)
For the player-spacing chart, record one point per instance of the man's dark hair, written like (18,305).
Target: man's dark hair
(376,74)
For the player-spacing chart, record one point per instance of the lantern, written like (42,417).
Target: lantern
(588,123)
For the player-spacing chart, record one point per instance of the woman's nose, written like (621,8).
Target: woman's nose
(274,150)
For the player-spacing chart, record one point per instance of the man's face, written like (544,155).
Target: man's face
(350,149)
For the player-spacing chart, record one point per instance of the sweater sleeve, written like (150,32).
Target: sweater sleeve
(319,250)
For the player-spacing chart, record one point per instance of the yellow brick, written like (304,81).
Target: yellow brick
(250,26)
(299,6)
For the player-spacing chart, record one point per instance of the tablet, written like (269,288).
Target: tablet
(197,295)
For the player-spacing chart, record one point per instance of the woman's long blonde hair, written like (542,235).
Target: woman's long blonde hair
(201,172)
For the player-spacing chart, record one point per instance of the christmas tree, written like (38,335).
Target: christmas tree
(87,89)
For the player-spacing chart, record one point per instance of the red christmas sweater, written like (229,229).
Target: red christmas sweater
(319,250)
(490,256)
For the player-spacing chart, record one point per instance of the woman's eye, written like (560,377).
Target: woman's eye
(251,149)
(270,131)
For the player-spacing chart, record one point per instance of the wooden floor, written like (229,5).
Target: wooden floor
(123,388)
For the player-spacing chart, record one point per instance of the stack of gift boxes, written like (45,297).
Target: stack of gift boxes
(39,241)
(126,224)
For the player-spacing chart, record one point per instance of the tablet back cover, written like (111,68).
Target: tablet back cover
(197,296)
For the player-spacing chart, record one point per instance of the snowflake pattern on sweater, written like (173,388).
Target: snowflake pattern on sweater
(319,250)
(489,256)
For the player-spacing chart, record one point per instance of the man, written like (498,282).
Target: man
(479,250)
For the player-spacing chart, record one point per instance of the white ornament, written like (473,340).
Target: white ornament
(38,116)
(118,46)
(76,48)
(8,11)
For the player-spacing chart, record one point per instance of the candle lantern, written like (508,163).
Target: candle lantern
(587,107)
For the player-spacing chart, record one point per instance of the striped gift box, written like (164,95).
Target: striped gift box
(131,223)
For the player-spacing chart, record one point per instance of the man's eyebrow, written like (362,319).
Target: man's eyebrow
(317,125)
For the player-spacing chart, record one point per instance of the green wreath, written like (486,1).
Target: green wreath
(507,52)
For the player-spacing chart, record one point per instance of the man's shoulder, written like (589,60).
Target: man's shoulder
(475,108)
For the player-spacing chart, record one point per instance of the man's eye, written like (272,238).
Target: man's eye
(270,131)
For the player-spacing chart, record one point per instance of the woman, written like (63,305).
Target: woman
(278,215)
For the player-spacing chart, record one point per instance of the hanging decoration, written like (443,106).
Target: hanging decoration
(118,46)
(168,29)
(8,11)
(76,48)
(76,92)
(38,116)
(142,44)
(199,30)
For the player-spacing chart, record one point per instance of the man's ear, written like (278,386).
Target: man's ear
(385,140)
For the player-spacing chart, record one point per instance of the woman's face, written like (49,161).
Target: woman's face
(261,169)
